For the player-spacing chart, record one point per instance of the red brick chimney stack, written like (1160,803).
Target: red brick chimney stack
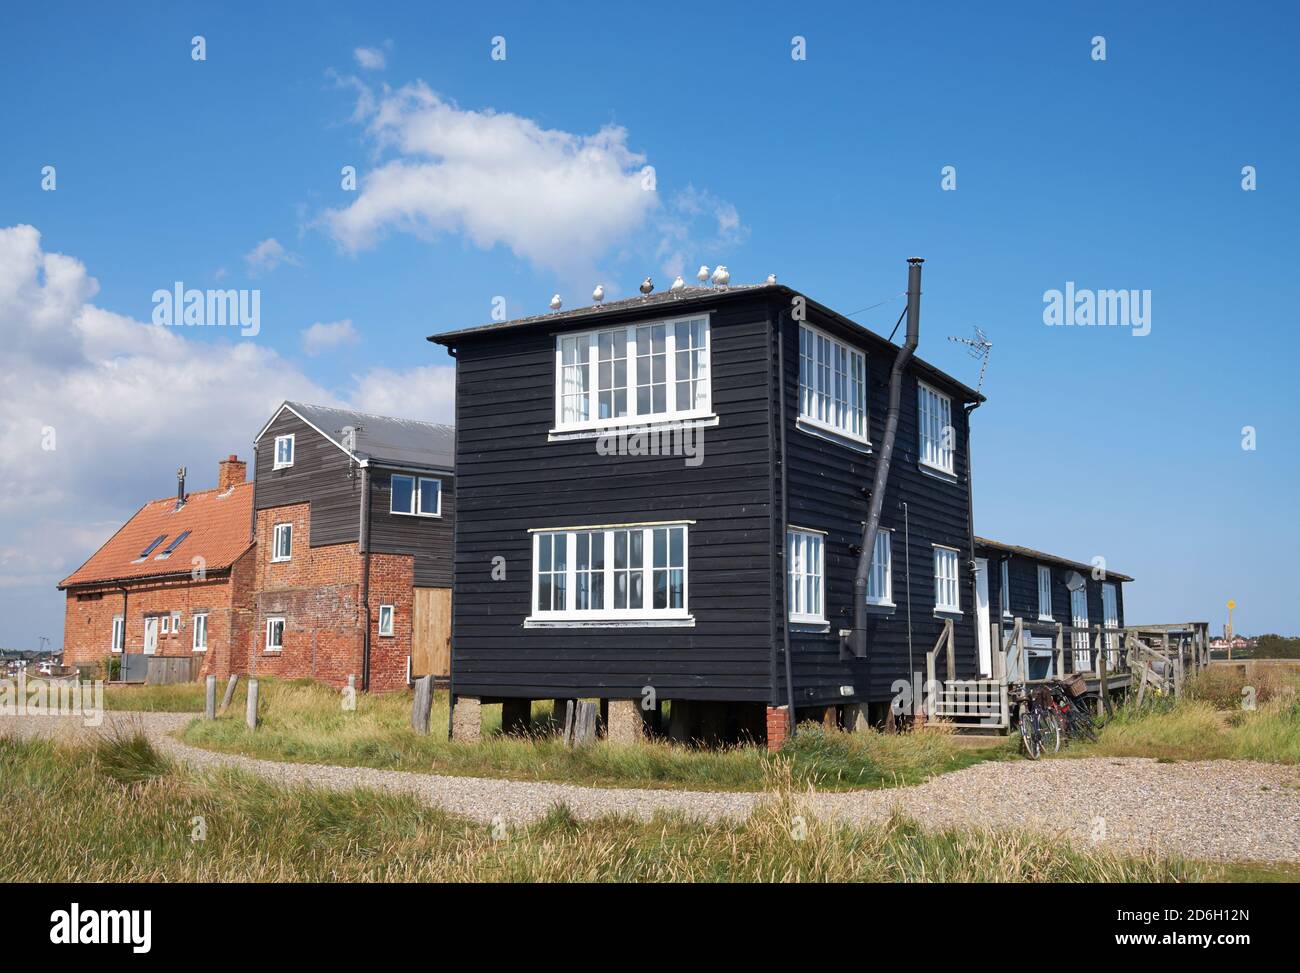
(231,471)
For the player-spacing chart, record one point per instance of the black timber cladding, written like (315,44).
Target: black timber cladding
(323,476)
(513,480)
(1022,577)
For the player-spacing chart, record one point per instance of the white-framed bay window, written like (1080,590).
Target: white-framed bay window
(611,574)
(832,384)
(634,374)
(947,590)
(1045,593)
(880,582)
(806,564)
(938,437)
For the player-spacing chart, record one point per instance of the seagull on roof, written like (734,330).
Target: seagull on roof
(556,302)
(771,278)
(721,276)
(679,285)
(703,275)
(598,294)
(647,286)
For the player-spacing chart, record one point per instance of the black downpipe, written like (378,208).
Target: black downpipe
(365,576)
(121,664)
(785,568)
(872,527)
(970,538)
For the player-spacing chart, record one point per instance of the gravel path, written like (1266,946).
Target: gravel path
(1211,810)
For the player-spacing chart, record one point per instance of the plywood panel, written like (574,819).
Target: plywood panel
(431,636)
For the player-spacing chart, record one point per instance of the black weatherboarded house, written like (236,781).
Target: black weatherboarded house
(661,499)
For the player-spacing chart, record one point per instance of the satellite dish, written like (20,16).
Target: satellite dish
(1074,581)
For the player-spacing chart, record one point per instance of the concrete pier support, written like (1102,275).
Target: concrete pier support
(625,721)
(467,720)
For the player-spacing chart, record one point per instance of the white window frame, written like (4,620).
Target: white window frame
(270,627)
(277,463)
(416,509)
(118,635)
(165,624)
(817,385)
(1079,640)
(386,630)
(945,557)
(1045,593)
(807,575)
(701,410)
(200,626)
(1110,613)
(882,571)
(281,530)
(1004,596)
(933,416)
(607,614)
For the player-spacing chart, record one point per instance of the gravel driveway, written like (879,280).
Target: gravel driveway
(1210,810)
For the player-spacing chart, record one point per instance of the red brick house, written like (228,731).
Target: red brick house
(175,580)
(353,526)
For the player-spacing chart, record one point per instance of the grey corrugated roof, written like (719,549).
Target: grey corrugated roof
(689,299)
(1029,552)
(385,439)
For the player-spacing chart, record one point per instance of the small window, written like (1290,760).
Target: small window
(201,632)
(415,496)
(807,568)
(1006,587)
(283,452)
(119,633)
(938,437)
(176,622)
(282,542)
(1044,592)
(880,582)
(165,624)
(150,549)
(274,634)
(385,619)
(947,595)
(167,551)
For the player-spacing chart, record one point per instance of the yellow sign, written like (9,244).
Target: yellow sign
(1231,605)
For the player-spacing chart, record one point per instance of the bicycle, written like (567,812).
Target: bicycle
(1078,724)
(1037,721)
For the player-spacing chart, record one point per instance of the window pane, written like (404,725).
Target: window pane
(430,492)
(403,500)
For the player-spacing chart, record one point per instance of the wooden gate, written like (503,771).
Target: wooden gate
(431,635)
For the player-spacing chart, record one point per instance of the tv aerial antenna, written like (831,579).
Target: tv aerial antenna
(977,347)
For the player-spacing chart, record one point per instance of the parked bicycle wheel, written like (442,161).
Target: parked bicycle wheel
(1050,731)
(1031,740)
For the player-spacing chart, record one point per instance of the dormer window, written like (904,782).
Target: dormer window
(283,452)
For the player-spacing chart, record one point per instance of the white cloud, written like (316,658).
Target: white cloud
(370,58)
(559,200)
(126,403)
(268,255)
(324,336)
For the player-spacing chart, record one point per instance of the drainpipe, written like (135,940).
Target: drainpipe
(858,639)
(785,497)
(365,576)
(121,673)
(970,538)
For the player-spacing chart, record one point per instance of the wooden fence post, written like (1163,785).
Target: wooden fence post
(1060,650)
(230,693)
(422,705)
(250,713)
(950,637)
(210,698)
(1103,698)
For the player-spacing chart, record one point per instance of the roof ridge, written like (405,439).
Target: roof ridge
(190,494)
(368,415)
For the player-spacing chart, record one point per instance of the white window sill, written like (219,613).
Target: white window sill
(631,426)
(947,612)
(1046,618)
(938,472)
(200,651)
(281,466)
(823,430)
(407,513)
(535,621)
(386,635)
(272,651)
(808,620)
(281,560)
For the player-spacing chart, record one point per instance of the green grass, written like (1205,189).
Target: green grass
(186,697)
(99,825)
(305,723)
(1208,723)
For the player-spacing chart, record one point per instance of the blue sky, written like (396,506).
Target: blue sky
(1122,173)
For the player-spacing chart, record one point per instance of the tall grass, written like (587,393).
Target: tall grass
(304,722)
(95,828)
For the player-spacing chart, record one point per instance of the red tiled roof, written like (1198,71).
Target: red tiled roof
(219,526)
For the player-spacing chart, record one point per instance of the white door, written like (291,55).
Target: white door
(982,634)
(150,634)
(1079,619)
(1110,618)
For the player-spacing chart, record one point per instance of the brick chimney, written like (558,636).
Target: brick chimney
(231,471)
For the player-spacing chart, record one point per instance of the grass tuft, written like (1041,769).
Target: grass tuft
(124,754)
